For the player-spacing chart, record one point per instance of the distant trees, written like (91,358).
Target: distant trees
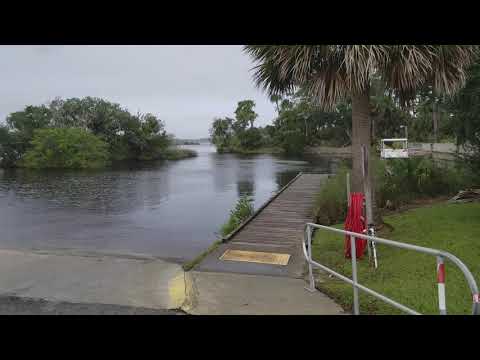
(24,123)
(238,134)
(245,115)
(9,147)
(127,136)
(298,123)
(221,133)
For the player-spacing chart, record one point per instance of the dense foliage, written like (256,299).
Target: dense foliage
(465,117)
(238,134)
(127,136)
(221,133)
(298,123)
(9,147)
(398,182)
(66,148)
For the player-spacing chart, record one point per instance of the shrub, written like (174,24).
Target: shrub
(396,181)
(293,142)
(157,148)
(331,201)
(401,180)
(250,138)
(473,164)
(65,148)
(242,211)
(119,150)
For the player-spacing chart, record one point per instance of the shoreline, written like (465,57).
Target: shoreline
(172,154)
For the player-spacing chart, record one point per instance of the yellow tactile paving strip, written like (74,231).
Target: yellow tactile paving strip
(256,257)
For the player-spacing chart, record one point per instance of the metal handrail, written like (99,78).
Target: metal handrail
(441,255)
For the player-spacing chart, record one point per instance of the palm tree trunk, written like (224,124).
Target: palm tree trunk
(374,137)
(435,121)
(361,138)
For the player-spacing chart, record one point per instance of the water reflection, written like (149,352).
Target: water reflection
(169,209)
(116,191)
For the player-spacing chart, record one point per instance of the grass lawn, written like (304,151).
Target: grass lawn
(406,276)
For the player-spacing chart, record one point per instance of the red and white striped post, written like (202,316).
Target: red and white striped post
(442,303)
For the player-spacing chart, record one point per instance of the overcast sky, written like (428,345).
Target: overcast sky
(185,86)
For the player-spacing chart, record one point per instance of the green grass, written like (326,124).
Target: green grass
(406,276)
(191,264)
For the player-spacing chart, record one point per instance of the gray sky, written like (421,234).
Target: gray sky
(185,86)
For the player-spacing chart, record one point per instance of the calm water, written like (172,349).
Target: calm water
(169,209)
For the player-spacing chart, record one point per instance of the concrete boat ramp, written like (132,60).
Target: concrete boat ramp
(62,283)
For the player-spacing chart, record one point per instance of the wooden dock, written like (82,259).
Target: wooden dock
(278,226)
(281,221)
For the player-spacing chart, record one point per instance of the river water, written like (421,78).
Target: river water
(169,209)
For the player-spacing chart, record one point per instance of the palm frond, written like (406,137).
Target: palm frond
(360,64)
(408,67)
(330,73)
(450,63)
(283,69)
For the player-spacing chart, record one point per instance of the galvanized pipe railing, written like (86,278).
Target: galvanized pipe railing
(439,254)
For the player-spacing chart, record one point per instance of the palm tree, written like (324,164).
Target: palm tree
(331,73)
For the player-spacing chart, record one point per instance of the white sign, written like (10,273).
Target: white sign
(394,153)
(388,152)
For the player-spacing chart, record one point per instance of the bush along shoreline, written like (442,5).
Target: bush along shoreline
(241,212)
(83,133)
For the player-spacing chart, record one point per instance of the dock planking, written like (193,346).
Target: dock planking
(283,219)
(277,227)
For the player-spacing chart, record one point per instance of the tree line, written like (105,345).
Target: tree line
(80,133)
(299,122)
